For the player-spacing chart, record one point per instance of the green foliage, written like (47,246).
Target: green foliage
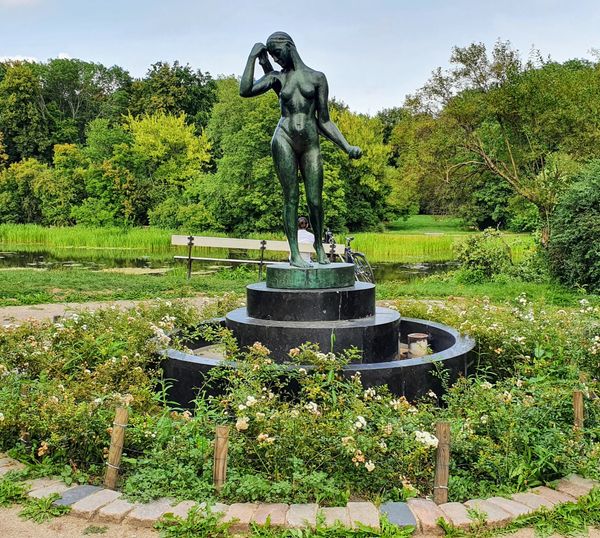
(199,522)
(568,519)
(11,492)
(76,92)
(574,248)
(21,118)
(206,524)
(19,187)
(492,126)
(174,90)
(329,439)
(483,256)
(44,509)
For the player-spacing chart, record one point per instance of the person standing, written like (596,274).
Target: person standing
(305,237)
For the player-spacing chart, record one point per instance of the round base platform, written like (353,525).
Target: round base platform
(376,336)
(411,378)
(332,275)
(333,304)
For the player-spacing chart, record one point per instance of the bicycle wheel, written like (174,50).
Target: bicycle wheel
(362,268)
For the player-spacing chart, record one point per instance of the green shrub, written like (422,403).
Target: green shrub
(574,245)
(482,256)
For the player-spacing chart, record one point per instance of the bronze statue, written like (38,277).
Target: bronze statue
(303,95)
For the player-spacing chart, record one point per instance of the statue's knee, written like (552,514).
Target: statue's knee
(314,202)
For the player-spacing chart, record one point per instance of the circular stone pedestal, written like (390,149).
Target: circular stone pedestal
(321,304)
(333,304)
(332,275)
(375,336)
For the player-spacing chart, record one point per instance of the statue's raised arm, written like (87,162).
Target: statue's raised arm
(303,97)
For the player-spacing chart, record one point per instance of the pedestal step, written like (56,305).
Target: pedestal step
(334,304)
(376,336)
(332,275)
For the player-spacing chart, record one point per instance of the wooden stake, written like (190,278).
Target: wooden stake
(440,485)
(578,409)
(116,447)
(220,461)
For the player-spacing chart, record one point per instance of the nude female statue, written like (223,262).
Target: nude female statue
(303,95)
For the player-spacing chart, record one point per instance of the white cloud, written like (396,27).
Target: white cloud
(64,56)
(18,57)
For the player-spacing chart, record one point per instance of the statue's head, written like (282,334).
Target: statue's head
(280,45)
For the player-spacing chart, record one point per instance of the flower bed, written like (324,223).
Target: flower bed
(329,441)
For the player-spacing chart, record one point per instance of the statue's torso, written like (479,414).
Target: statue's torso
(298,101)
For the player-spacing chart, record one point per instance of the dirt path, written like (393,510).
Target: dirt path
(12,526)
(18,314)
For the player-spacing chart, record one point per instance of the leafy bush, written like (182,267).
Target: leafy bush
(574,245)
(482,256)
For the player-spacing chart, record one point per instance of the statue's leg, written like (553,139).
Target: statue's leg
(311,167)
(286,166)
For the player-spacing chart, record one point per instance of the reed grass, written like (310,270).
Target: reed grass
(155,243)
(429,223)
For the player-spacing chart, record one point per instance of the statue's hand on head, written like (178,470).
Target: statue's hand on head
(257,49)
(354,152)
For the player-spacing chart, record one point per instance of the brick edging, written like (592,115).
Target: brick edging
(105,505)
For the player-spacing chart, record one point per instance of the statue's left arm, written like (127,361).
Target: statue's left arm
(326,127)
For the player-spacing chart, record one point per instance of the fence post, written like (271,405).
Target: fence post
(189,260)
(116,447)
(440,485)
(578,409)
(220,461)
(263,246)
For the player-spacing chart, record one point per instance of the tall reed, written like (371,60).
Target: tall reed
(154,242)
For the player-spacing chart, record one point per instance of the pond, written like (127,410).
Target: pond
(100,259)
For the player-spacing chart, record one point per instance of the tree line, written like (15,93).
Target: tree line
(493,139)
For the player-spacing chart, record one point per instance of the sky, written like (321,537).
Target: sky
(373,52)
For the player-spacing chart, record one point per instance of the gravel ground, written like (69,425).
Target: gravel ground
(17,314)
(12,526)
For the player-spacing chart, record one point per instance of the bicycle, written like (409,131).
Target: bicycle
(362,268)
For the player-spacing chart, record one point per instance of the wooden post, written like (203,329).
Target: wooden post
(440,485)
(189,261)
(220,461)
(116,447)
(578,409)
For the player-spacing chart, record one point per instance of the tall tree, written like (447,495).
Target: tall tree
(76,92)
(523,124)
(19,202)
(23,120)
(175,89)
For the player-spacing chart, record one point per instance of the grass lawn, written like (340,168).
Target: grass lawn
(420,224)
(24,287)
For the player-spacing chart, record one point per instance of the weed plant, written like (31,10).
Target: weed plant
(43,509)
(11,492)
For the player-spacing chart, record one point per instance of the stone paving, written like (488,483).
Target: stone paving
(106,506)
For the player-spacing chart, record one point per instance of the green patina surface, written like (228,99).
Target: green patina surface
(335,275)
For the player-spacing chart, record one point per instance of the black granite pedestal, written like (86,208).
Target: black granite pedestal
(336,317)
